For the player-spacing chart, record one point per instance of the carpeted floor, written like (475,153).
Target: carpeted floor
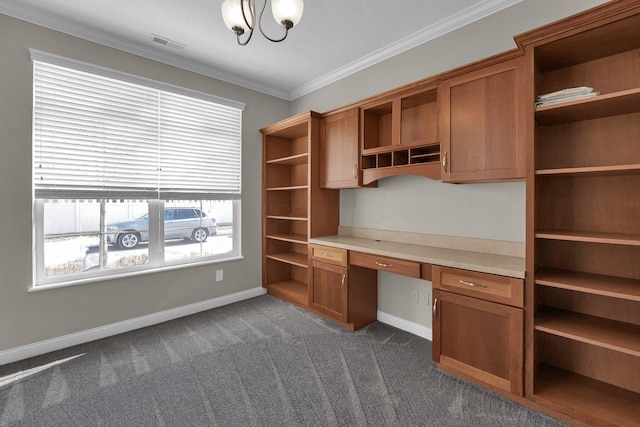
(261,362)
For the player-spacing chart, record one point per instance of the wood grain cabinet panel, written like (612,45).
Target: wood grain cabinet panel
(481,124)
(340,150)
(345,294)
(479,340)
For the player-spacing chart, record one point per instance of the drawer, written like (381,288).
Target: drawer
(489,287)
(393,265)
(329,255)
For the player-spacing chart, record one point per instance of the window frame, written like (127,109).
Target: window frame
(156,246)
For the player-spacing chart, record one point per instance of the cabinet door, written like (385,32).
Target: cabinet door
(339,151)
(329,290)
(482,124)
(479,340)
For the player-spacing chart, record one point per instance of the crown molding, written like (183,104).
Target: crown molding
(434,31)
(429,33)
(149,52)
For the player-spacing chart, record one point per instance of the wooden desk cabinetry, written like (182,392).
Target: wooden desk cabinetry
(474,336)
(347,295)
(294,208)
(481,124)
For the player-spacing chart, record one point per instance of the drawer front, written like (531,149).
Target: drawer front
(489,287)
(393,265)
(329,255)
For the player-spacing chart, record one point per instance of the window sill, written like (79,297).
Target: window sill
(127,274)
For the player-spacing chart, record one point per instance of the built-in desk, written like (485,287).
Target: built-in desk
(494,257)
(478,292)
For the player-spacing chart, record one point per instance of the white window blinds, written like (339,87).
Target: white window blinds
(96,136)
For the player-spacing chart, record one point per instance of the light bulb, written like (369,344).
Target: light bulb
(232,15)
(287,12)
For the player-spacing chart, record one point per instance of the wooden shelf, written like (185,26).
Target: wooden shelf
(298,159)
(293,238)
(590,237)
(291,291)
(598,331)
(614,287)
(592,170)
(610,104)
(289,218)
(577,396)
(293,258)
(293,187)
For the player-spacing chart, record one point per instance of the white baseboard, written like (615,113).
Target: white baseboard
(42,347)
(405,325)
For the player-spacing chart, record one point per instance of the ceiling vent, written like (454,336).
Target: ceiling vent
(166,42)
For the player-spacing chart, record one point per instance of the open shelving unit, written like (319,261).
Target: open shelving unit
(583,345)
(399,135)
(294,207)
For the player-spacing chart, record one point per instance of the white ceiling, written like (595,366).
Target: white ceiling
(334,38)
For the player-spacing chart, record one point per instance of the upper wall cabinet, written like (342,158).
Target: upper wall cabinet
(399,135)
(340,150)
(482,122)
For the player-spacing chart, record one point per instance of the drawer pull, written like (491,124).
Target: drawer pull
(382,264)
(344,276)
(435,305)
(473,285)
(327,254)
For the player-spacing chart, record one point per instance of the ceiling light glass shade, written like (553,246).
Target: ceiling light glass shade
(232,15)
(287,10)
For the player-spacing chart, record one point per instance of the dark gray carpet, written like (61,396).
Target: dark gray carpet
(261,362)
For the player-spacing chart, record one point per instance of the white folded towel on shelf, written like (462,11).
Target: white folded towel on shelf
(564,95)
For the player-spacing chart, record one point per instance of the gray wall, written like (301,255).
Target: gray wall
(404,203)
(29,317)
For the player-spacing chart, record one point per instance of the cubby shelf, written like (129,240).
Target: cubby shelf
(590,237)
(592,170)
(297,159)
(290,290)
(610,104)
(565,391)
(293,187)
(608,286)
(613,335)
(292,258)
(294,238)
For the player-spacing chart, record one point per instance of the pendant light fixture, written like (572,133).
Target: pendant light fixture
(240,16)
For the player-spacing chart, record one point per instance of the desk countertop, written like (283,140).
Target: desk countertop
(504,265)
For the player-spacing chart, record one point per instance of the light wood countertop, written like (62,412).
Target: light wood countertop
(504,265)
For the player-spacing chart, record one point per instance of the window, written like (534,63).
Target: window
(129,174)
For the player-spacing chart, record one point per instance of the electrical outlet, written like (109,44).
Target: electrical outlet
(219,275)
(415,295)
(425,297)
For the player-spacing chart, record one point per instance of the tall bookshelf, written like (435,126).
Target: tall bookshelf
(294,207)
(583,242)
